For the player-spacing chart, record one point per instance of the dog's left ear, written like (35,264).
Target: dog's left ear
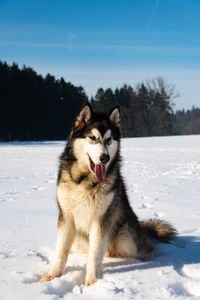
(84,116)
(114,116)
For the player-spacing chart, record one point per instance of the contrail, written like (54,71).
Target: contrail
(152,15)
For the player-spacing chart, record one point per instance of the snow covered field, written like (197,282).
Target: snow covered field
(163,180)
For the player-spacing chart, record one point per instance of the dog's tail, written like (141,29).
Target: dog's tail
(159,230)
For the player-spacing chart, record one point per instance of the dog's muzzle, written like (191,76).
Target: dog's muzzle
(99,169)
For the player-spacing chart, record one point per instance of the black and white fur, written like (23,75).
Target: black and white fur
(94,211)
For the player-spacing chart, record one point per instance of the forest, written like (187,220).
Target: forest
(36,107)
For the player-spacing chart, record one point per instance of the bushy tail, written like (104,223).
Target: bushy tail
(157,229)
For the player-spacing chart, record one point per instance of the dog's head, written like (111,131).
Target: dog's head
(96,140)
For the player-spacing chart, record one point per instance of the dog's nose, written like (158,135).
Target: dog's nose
(104,158)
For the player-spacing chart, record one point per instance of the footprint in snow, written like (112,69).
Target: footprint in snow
(158,215)
(156,200)
(177,289)
(145,205)
(37,188)
(6,254)
(31,278)
(36,253)
(12,192)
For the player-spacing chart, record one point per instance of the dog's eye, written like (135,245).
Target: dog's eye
(108,141)
(92,137)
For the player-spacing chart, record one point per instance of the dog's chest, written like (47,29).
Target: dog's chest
(85,206)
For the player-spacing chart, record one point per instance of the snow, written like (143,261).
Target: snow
(163,180)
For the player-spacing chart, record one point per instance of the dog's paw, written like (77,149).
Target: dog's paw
(48,277)
(90,280)
(93,275)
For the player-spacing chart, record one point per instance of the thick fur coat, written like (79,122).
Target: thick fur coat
(94,211)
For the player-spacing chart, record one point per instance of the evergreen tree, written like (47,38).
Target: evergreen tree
(34,107)
(186,122)
(146,110)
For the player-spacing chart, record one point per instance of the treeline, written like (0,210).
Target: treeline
(146,109)
(34,107)
(186,121)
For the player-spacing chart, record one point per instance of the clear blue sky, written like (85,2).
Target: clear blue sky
(106,43)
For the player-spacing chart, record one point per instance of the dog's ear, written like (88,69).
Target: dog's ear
(114,116)
(84,116)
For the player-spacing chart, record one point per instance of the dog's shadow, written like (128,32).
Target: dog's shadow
(185,250)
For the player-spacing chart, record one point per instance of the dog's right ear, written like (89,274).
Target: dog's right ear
(84,116)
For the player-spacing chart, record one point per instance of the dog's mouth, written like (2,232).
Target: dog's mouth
(98,170)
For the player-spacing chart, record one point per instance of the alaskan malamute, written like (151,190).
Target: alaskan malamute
(94,211)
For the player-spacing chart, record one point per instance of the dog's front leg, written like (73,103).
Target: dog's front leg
(66,235)
(97,247)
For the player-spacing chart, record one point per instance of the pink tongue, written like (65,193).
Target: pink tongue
(100,172)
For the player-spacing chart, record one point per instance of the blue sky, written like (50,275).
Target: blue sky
(106,43)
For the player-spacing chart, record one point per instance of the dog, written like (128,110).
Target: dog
(94,211)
